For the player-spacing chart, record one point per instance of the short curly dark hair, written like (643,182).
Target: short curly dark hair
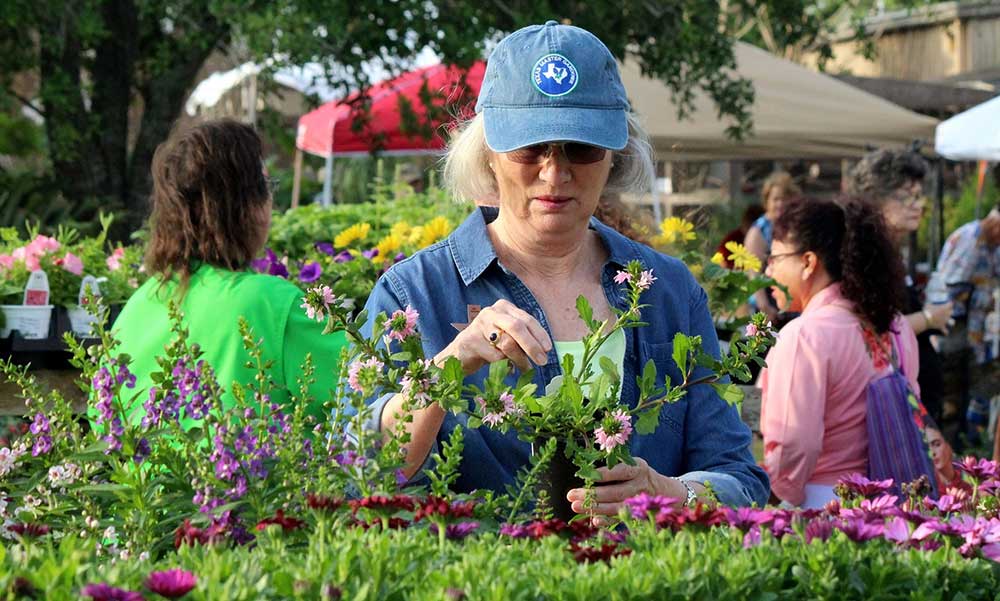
(882,172)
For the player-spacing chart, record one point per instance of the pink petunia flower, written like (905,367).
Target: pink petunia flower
(6,261)
(172,584)
(72,264)
(402,324)
(114,260)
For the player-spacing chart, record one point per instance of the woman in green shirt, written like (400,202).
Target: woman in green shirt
(211,211)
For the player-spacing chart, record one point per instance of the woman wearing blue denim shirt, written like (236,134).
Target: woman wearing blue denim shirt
(552,134)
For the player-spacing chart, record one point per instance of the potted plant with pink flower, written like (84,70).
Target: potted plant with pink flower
(65,259)
(581,409)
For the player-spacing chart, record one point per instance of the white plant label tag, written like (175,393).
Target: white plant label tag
(37,290)
(91,284)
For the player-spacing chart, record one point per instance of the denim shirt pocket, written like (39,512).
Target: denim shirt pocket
(661,353)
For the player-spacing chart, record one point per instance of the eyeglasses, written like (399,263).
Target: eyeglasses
(576,153)
(771,259)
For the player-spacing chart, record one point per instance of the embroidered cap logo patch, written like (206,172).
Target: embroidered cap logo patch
(554,75)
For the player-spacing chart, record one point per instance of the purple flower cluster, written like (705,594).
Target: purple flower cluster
(106,383)
(456,531)
(240,454)
(43,439)
(270,264)
(192,392)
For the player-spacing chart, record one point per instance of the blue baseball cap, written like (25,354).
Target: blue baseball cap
(552,82)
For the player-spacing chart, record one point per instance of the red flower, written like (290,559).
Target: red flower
(33,530)
(437,506)
(542,528)
(323,503)
(381,502)
(287,524)
(186,534)
(172,584)
(588,554)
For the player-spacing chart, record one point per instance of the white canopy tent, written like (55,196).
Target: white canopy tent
(971,136)
(796,113)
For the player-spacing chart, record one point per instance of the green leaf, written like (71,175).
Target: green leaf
(648,420)
(585,311)
(588,473)
(609,368)
(731,393)
(682,346)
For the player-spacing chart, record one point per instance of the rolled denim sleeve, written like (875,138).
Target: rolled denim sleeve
(717,442)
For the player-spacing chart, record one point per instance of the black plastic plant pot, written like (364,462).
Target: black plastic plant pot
(558,478)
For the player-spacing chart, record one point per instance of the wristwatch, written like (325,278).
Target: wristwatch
(691,495)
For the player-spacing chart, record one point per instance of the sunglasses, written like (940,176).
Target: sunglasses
(576,153)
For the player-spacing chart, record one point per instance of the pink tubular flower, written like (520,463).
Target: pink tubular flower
(317,302)
(623,276)
(172,584)
(402,324)
(6,261)
(364,372)
(646,280)
(751,330)
(614,432)
(494,413)
(114,260)
(72,264)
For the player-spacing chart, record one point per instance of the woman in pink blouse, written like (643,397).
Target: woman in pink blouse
(842,272)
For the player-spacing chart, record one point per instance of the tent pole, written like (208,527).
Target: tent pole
(297,178)
(937,235)
(328,181)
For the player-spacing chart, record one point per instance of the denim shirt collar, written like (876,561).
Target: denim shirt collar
(472,256)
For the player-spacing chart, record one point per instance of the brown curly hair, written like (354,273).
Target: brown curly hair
(851,239)
(208,191)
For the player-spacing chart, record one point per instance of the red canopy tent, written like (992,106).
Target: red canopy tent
(331,130)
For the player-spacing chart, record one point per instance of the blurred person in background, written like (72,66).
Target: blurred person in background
(891,180)
(777,188)
(842,272)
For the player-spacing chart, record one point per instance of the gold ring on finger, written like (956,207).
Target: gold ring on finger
(494,337)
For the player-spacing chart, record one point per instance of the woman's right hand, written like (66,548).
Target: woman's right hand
(516,336)
(938,316)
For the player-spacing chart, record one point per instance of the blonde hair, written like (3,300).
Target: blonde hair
(781,180)
(467,175)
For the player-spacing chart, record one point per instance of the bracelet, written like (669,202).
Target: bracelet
(927,318)
(691,495)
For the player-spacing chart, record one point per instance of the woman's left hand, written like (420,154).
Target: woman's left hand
(624,482)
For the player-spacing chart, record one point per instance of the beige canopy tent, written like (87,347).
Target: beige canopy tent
(796,113)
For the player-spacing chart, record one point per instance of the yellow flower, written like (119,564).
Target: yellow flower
(401,229)
(676,229)
(388,247)
(434,230)
(416,235)
(719,260)
(742,258)
(696,270)
(358,231)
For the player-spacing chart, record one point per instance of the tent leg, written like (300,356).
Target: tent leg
(735,184)
(328,182)
(297,178)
